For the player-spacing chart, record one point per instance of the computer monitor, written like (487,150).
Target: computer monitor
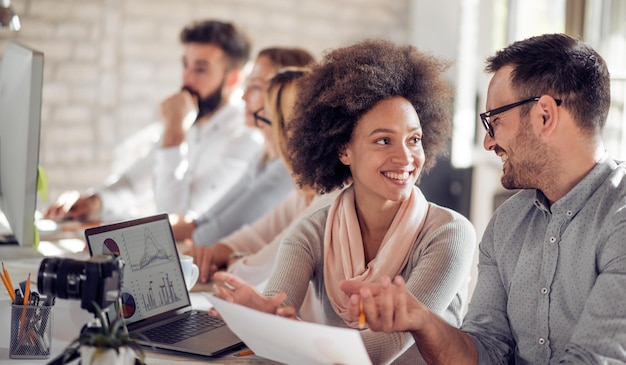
(21,78)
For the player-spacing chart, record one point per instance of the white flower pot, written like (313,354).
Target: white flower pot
(126,356)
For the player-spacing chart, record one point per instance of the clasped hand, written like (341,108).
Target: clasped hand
(178,113)
(387,305)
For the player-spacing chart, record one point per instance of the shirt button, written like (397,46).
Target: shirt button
(569,213)
(542,341)
(544,290)
(552,239)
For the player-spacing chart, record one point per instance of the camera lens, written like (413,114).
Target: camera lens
(61,277)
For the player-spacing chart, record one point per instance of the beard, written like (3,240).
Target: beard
(528,163)
(210,103)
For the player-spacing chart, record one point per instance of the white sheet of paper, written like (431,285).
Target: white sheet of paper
(290,341)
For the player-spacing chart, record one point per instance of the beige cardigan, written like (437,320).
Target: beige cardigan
(261,239)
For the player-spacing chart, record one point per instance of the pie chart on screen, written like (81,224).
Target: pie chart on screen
(128,305)
(111,247)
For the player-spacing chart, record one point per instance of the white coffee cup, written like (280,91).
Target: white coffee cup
(190,271)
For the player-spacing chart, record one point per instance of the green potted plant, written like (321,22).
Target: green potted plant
(106,343)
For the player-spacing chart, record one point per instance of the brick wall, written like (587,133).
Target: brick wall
(108,63)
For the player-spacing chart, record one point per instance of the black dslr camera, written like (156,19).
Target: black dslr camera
(97,280)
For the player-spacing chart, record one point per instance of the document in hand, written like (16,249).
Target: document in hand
(290,341)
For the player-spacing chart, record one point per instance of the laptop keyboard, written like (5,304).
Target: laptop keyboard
(183,328)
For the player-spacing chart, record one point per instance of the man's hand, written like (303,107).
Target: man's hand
(388,306)
(210,259)
(71,205)
(182,226)
(178,113)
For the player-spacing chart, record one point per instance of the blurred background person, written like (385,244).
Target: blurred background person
(250,252)
(205,146)
(268,181)
(258,242)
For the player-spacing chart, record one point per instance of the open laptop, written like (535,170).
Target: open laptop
(155,301)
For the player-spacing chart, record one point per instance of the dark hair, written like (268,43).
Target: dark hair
(284,57)
(231,40)
(346,84)
(563,67)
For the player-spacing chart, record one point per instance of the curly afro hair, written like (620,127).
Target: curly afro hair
(345,85)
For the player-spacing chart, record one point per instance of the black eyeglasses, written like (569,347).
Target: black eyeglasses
(258,118)
(484,117)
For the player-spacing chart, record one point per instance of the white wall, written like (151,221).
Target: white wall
(108,63)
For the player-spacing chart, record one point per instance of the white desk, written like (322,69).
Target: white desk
(69,318)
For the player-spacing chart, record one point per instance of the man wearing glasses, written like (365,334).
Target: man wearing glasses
(551,284)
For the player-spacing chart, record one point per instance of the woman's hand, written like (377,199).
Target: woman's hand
(287,311)
(232,289)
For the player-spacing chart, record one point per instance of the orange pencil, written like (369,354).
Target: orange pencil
(24,310)
(27,290)
(6,275)
(8,286)
(6,280)
(361,316)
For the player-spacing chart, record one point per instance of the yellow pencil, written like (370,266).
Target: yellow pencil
(6,280)
(8,287)
(27,291)
(8,277)
(361,316)
(24,310)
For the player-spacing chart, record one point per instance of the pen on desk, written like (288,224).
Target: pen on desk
(361,316)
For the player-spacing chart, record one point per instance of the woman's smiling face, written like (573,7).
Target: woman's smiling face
(385,153)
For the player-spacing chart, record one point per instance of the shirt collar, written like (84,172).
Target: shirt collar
(231,116)
(578,196)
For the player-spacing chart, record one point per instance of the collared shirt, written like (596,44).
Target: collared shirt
(551,286)
(257,193)
(192,177)
(189,178)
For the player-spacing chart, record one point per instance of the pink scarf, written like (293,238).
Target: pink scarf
(344,256)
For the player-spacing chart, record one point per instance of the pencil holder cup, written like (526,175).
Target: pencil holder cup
(31,332)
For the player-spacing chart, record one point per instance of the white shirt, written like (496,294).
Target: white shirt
(188,178)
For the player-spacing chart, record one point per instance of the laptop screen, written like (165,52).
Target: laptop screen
(153,281)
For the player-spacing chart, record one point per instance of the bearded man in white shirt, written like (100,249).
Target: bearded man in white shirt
(204,149)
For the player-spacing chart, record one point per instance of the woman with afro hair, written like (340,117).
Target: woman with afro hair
(372,116)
